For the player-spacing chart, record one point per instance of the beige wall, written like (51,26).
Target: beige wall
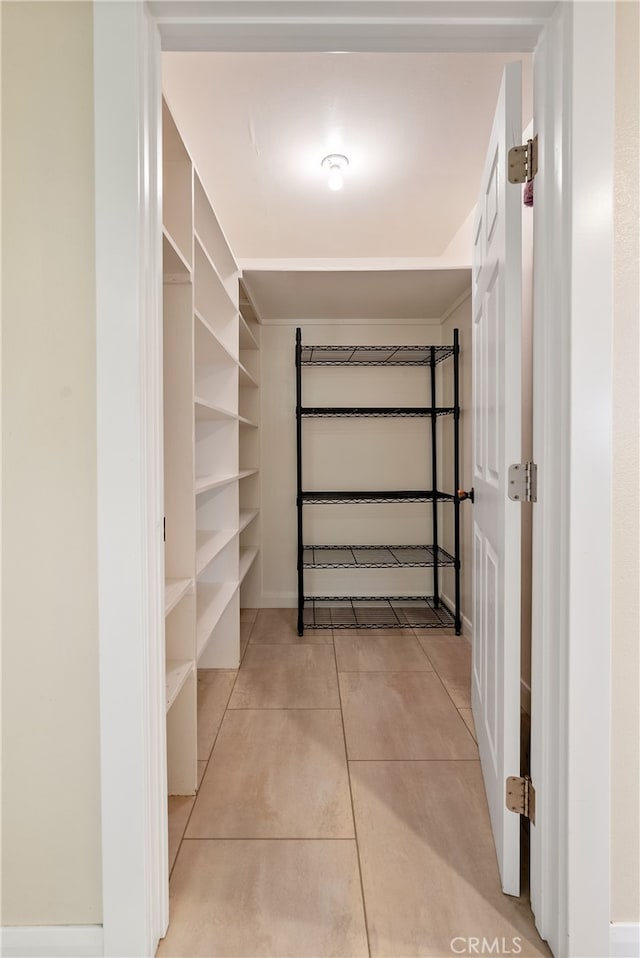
(50,744)
(625,810)
(354,458)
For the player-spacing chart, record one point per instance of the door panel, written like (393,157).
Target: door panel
(496,310)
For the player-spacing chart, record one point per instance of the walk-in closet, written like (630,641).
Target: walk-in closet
(318,508)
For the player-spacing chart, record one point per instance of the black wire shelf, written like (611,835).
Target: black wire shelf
(396,412)
(393,495)
(375,557)
(373,355)
(379,612)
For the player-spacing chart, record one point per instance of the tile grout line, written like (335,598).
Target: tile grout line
(440,679)
(195,798)
(382,671)
(280,708)
(266,838)
(353,811)
(354,761)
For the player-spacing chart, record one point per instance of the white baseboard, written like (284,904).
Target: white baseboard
(624,939)
(467,625)
(467,628)
(52,941)
(279,600)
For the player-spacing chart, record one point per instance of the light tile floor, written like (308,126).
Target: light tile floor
(340,809)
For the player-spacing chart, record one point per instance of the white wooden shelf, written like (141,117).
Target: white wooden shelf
(213,302)
(247,516)
(247,422)
(212,600)
(175,268)
(205,483)
(247,558)
(177,673)
(247,339)
(246,379)
(209,349)
(174,590)
(209,545)
(207,410)
(213,236)
(245,473)
(203,249)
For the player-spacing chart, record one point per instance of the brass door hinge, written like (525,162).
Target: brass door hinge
(521,797)
(523,161)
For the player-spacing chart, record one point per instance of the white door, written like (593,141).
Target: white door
(497,305)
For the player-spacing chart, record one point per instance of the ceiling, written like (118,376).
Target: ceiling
(377,296)
(414,127)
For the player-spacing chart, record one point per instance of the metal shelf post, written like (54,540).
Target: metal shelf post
(434,479)
(456,476)
(299,479)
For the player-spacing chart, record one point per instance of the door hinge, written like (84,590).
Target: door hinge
(523,482)
(523,161)
(521,797)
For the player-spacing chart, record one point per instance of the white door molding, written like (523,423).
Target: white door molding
(130,476)
(572,441)
(381,26)
(129,370)
(587,696)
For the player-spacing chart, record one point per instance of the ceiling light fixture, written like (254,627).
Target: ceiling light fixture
(335,163)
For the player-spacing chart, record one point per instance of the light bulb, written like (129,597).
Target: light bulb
(336,179)
(335,164)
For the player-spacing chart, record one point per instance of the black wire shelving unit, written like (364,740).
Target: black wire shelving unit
(380,612)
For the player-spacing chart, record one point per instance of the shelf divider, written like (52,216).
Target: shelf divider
(213,598)
(209,545)
(177,673)
(375,612)
(247,558)
(174,590)
(389,495)
(390,412)
(247,516)
(375,557)
(372,355)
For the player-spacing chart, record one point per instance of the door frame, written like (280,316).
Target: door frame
(573,313)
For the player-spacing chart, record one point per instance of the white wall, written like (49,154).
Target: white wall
(50,744)
(405,454)
(625,804)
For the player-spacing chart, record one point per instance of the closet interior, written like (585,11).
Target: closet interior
(229,475)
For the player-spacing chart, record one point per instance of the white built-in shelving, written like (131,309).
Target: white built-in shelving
(177,672)
(211,441)
(247,557)
(174,590)
(247,516)
(250,411)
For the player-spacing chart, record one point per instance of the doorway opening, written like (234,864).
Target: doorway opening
(127,97)
(277,286)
